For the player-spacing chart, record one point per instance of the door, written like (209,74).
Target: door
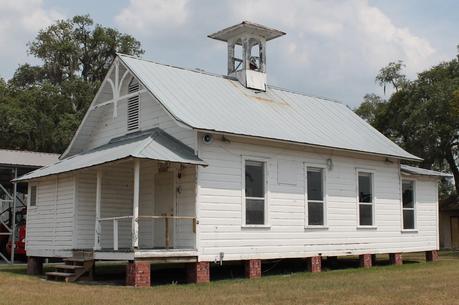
(164,205)
(455,232)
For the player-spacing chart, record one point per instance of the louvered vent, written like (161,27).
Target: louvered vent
(133,107)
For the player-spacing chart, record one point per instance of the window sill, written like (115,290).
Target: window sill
(367,227)
(409,231)
(316,227)
(256,227)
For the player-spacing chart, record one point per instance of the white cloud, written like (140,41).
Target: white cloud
(20,21)
(339,35)
(149,15)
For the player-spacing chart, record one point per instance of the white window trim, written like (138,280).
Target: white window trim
(29,195)
(325,196)
(266,174)
(415,204)
(373,226)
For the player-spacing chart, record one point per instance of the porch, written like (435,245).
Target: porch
(134,197)
(144,209)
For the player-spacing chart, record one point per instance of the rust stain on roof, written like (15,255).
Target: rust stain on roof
(259,96)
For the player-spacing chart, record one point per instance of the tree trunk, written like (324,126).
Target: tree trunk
(453,166)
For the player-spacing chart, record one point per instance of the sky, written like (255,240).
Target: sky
(332,49)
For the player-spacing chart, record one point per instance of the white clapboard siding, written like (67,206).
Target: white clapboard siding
(50,222)
(117,196)
(151,115)
(85,209)
(220,207)
(116,200)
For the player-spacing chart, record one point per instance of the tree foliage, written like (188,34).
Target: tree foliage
(41,106)
(392,75)
(422,115)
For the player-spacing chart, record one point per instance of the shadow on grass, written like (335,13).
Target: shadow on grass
(114,273)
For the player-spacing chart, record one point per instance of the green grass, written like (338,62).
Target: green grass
(416,282)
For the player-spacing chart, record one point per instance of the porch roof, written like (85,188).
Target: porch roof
(412,170)
(154,144)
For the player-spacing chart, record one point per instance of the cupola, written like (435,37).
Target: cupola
(247,52)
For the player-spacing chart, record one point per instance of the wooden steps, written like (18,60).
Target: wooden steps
(72,270)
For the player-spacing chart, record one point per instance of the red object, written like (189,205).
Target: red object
(20,242)
(198,272)
(315,264)
(365,260)
(20,234)
(138,274)
(253,268)
(432,256)
(395,258)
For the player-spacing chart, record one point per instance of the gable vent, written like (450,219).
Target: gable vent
(133,107)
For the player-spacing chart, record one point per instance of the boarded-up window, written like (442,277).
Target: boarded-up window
(133,107)
(33,195)
(287,171)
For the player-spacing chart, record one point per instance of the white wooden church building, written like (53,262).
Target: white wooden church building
(178,165)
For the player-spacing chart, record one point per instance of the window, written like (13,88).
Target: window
(366,203)
(133,107)
(315,196)
(255,191)
(33,195)
(408,205)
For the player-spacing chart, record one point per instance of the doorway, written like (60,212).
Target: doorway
(164,206)
(455,232)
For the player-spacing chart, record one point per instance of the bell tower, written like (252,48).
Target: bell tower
(247,52)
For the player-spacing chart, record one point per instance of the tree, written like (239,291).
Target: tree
(422,115)
(371,108)
(392,75)
(41,106)
(75,48)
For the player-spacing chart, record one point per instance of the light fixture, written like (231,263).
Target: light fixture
(329,164)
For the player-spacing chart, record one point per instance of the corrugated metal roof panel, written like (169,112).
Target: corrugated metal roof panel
(216,103)
(26,158)
(412,170)
(153,144)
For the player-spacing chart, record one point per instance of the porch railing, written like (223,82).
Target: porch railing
(168,220)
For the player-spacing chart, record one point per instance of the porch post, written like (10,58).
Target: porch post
(135,211)
(98,200)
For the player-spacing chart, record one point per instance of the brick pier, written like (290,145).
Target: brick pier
(253,268)
(138,274)
(198,272)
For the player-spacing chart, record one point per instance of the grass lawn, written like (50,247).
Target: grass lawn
(416,282)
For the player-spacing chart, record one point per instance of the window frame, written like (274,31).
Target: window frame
(265,161)
(29,199)
(373,198)
(324,201)
(414,209)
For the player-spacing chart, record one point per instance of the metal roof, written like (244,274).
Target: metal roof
(154,144)
(209,102)
(246,27)
(412,170)
(26,158)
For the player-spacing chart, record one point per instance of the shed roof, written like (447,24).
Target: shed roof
(154,144)
(26,158)
(412,170)
(217,103)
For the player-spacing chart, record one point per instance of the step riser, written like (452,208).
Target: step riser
(72,270)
